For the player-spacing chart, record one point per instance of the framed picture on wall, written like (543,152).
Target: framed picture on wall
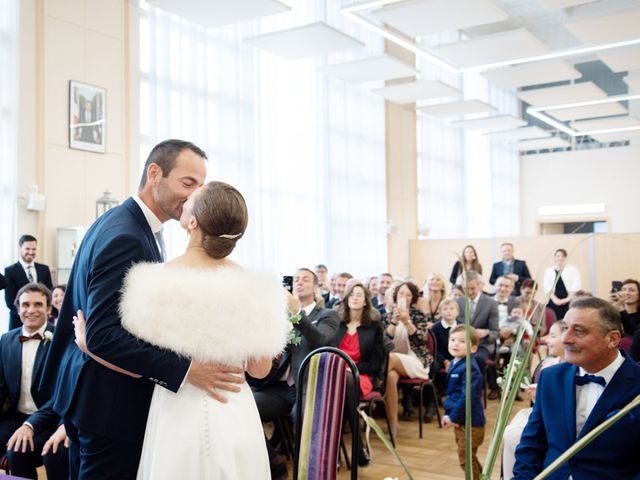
(87,114)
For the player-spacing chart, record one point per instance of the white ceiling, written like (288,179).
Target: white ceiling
(590,111)
(382,67)
(542,144)
(492,48)
(410,92)
(617,136)
(610,28)
(605,123)
(421,17)
(532,74)
(305,41)
(572,93)
(212,13)
(457,109)
(622,60)
(518,134)
(491,123)
(633,80)
(560,4)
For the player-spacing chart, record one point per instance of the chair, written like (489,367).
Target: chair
(282,426)
(625,344)
(369,401)
(319,421)
(421,383)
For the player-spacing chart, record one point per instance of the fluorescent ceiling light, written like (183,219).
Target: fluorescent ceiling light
(537,112)
(354,13)
(574,209)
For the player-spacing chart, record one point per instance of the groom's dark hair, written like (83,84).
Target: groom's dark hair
(164,155)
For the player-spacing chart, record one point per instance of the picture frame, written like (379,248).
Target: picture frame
(87,117)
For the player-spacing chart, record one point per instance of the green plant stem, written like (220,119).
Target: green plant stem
(587,439)
(468,472)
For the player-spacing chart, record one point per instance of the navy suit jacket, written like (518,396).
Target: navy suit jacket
(11,378)
(519,268)
(17,278)
(552,428)
(454,405)
(92,397)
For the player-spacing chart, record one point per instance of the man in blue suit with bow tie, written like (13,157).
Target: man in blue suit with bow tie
(105,412)
(573,398)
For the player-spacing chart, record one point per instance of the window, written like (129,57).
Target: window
(307,151)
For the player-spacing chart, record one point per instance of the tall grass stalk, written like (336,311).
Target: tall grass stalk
(468,467)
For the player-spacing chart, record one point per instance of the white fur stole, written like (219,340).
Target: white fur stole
(224,315)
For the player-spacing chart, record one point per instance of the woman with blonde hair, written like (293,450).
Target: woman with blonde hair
(435,292)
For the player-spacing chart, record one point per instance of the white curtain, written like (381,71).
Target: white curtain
(468,186)
(9,22)
(307,151)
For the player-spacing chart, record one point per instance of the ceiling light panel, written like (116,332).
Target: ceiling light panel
(617,136)
(589,111)
(216,14)
(383,67)
(519,134)
(542,144)
(622,60)
(457,109)
(576,92)
(422,17)
(531,74)
(305,41)
(633,80)
(491,123)
(607,28)
(606,124)
(494,48)
(410,92)
(560,4)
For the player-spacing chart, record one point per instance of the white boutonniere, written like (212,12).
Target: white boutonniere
(47,337)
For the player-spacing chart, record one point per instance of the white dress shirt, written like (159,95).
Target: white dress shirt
(25,267)
(26,404)
(587,395)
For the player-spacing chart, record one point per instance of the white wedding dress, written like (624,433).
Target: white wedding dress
(225,316)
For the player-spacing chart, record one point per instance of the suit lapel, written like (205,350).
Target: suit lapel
(568,382)
(21,273)
(622,381)
(14,363)
(135,210)
(43,348)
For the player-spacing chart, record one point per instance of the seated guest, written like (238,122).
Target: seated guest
(471,263)
(568,282)
(455,404)
(28,421)
(508,324)
(360,337)
(384,283)
(57,295)
(626,301)
(532,309)
(341,285)
(435,292)
(372,286)
(321,273)
(456,292)
(514,430)
(331,294)
(449,312)
(511,267)
(410,358)
(276,395)
(574,397)
(483,313)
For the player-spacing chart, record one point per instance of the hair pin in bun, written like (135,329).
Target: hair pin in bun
(226,235)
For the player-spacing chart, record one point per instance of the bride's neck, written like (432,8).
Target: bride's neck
(196,256)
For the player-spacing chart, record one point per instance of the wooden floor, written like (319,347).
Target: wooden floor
(434,457)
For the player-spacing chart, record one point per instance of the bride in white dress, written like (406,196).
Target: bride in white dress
(207,308)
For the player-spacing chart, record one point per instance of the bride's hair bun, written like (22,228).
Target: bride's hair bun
(222,215)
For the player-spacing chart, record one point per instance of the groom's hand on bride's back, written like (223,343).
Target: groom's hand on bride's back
(212,377)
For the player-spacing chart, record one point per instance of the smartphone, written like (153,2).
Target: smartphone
(402,304)
(616,286)
(287,282)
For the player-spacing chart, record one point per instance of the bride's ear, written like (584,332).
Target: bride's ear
(192,225)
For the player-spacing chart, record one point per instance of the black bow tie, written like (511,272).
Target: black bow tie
(584,379)
(24,338)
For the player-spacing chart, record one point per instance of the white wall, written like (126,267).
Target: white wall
(610,176)
(64,40)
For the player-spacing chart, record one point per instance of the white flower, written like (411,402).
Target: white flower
(47,336)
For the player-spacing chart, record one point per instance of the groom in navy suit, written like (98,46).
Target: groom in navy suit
(105,412)
(573,398)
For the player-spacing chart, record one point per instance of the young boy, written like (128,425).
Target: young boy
(449,311)
(454,405)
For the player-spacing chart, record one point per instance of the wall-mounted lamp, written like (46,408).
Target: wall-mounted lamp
(106,202)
